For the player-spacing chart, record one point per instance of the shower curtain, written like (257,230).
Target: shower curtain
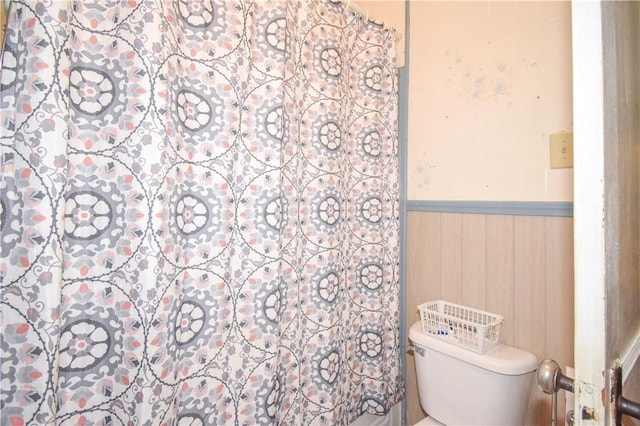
(199,214)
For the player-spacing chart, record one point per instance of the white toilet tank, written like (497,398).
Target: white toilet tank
(461,387)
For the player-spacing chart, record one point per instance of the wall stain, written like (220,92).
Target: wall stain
(483,84)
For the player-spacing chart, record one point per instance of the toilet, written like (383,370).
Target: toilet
(460,387)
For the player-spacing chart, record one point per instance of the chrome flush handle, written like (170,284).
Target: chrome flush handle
(417,349)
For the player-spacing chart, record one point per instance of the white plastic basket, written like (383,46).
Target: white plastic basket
(469,328)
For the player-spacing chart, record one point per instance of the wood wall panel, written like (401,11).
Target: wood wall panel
(530,317)
(500,272)
(520,267)
(451,256)
(529,283)
(559,306)
(474,247)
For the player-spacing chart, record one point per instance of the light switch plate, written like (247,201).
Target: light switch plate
(561,150)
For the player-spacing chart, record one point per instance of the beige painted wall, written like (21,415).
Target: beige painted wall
(489,82)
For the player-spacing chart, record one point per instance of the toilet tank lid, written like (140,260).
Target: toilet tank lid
(502,359)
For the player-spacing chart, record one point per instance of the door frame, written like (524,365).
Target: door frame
(589,208)
(606,196)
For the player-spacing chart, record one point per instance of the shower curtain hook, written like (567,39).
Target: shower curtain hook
(347,3)
(367,18)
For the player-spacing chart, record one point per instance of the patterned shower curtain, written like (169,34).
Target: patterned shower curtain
(199,214)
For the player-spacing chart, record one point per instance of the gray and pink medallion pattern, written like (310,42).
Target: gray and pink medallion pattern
(198,214)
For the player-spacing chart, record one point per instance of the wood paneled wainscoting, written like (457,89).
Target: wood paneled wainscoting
(520,267)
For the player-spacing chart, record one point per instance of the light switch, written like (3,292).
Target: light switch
(561,149)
